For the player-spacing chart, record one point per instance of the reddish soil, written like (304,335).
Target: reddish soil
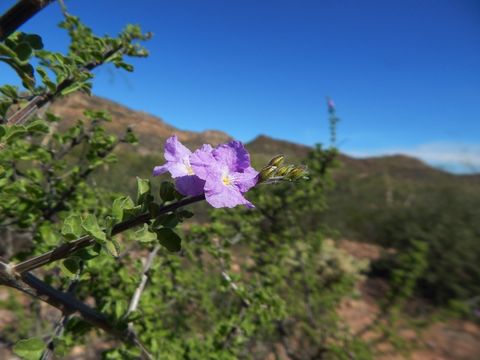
(451,340)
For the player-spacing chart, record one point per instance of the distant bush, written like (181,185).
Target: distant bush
(447,220)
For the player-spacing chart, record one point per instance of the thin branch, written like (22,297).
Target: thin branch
(143,281)
(245,303)
(63,7)
(61,323)
(68,304)
(57,332)
(65,250)
(18,14)
(139,291)
(65,302)
(39,101)
(70,191)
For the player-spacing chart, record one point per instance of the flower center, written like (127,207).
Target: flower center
(188,167)
(226,180)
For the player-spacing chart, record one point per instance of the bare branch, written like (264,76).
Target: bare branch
(138,294)
(61,323)
(65,302)
(18,14)
(143,281)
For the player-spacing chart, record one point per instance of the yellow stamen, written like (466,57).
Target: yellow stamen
(226,180)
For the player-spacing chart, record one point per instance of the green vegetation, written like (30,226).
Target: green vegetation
(241,286)
(119,255)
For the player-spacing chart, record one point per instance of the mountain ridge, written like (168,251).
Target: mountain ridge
(153,130)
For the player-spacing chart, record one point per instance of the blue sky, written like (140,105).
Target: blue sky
(405,75)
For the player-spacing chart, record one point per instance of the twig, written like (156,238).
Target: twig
(61,323)
(18,14)
(65,250)
(63,7)
(39,101)
(234,287)
(141,286)
(245,303)
(139,291)
(31,285)
(65,302)
(69,305)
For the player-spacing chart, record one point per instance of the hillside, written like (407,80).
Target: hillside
(151,130)
(371,177)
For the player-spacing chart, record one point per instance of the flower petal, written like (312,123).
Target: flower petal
(245,180)
(189,185)
(233,155)
(175,150)
(159,170)
(177,169)
(203,162)
(220,195)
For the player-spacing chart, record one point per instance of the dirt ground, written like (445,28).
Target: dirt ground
(452,340)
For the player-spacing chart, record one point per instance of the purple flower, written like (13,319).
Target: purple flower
(227,174)
(330,105)
(178,164)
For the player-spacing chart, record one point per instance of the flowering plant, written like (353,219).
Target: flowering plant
(223,173)
(48,201)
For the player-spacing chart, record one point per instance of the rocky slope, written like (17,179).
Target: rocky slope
(151,130)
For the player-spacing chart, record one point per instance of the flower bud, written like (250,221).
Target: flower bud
(277,160)
(285,170)
(297,173)
(267,172)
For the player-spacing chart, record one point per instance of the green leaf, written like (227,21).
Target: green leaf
(77,326)
(87,254)
(72,227)
(90,225)
(71,265)
(143,189)
(185,214)
(128,213)
(170,221)
(38,126)
(153,209)
(23,51)
(134,316)
(144,235)
(124,66)
(6,51)
(169,239)
(9,91)
(29,349)
(15,132)
(4,106)
(2,131)
(113,248)
(119,205)
(49,236)
(34,40)
(71,89)
(167,191)
(61,348)
(130,137)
